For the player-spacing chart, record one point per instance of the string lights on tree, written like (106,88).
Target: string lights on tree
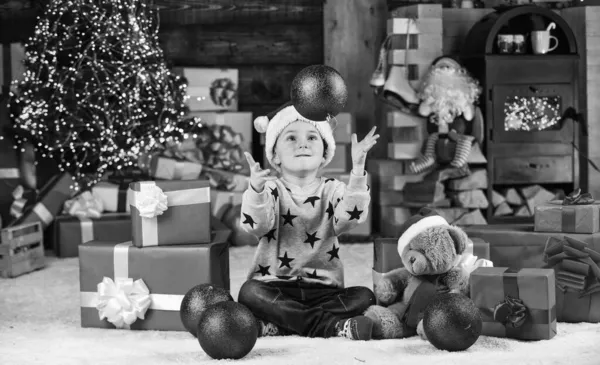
(96,91)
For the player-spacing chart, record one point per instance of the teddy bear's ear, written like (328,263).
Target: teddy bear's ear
(459,237)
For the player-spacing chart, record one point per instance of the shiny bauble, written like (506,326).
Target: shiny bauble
(239,237)
(319,92)
(197,300)
(452,322)
(227,330)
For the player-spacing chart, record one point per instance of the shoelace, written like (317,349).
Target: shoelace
(269,329)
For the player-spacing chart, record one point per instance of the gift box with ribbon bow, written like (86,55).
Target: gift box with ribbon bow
(577,213)
(50,201)
(515,303)
(577,268)
(170,212)
(166,168)
(69,232)
(123,286)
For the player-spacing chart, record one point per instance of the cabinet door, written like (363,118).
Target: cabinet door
(532,113)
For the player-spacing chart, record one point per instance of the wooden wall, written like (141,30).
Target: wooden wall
(268,42)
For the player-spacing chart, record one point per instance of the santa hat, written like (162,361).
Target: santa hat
(426,218)
(275,122)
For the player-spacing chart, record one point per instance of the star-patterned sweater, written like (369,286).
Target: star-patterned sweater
(298,227)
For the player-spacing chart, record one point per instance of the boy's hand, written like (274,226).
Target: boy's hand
(258,176)
(360,149)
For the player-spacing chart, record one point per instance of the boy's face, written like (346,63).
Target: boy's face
(299,148)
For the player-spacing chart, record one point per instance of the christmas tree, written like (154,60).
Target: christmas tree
(97,91)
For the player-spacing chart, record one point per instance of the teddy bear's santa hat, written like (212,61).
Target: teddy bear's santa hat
(426,218)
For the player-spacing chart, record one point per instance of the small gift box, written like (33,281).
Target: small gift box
(114,197)
(23,198)
(170,212)
(160,167)
(577,268)
(211,89)
(72,231)
(122,286)
(515,303)
(50,201)
(577,213)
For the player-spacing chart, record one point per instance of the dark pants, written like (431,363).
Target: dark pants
(304,309)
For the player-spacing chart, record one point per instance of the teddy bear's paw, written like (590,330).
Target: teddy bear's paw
(385,323)
(385,292)
(421,331)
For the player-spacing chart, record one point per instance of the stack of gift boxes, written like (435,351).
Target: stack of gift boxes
(543,273)
(174,246)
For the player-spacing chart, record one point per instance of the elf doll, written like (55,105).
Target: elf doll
(447,97)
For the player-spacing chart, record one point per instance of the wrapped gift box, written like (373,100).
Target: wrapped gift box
(519,246)
(211,89)
(50,201)
(515,303)
(160,167)
(186,219)
(167,274)
(240,122)
(114,197)
(9,179)
(70,232)
(555,217)
(21,249)
(577,273)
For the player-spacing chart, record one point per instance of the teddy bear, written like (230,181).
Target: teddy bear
(435,258)
(447,97)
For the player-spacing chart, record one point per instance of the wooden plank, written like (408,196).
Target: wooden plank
(414,56)
(404,151)
(417,11)
(354,30)
(259,84)
(414,26)
(182,12)
(240,44)
(416,41)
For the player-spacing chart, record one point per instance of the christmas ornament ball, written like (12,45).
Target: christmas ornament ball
(452,322)
(227,330)
(197,300)
(318,91)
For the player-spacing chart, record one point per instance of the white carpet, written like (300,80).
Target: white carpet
(39,324)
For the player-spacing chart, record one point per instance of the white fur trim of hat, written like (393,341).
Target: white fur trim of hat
(284,116)
(419,226)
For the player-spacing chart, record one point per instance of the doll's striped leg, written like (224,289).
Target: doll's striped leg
(428,158)
(463,149)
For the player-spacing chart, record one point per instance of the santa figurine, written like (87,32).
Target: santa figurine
(448,97)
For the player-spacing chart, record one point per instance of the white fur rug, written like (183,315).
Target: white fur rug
(39,324)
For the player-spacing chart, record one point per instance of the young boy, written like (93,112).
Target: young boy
(296,281)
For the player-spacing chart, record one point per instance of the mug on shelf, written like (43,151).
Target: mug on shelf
(541,40)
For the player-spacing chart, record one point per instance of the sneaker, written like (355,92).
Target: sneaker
(356,328)
(268,329)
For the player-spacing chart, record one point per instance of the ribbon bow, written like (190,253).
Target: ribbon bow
(151,202)
(577,198)
(470,262)
(122,301)
(576,265)
(511,312)
(85,205)
(18,205)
